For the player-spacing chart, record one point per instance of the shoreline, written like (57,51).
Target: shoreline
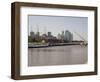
(51,45)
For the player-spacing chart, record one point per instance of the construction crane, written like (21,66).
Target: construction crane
(85,43)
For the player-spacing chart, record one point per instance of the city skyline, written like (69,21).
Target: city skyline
(59,35)
(57,24)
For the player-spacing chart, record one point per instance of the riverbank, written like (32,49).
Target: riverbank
(32,45)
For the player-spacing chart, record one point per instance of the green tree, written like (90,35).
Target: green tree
(30,39)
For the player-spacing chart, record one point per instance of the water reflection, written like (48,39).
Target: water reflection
(59,55)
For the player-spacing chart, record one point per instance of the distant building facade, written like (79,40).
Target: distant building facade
(68,36)
(62,35)
(32,35)
(65,36)
(49,34)
(59,36)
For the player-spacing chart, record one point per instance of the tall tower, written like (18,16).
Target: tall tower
(68,36)
(62,35)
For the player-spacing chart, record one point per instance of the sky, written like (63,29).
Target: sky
(57,24)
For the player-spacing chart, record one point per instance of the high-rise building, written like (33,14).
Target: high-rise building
(49,34)
(32,35)
(62,35)
(71,37)
(68,36)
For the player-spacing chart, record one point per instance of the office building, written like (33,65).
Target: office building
(68,36)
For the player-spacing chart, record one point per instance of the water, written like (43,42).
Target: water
(59,55)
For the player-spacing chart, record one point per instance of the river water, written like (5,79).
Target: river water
(59,55)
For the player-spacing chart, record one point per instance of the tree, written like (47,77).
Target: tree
(30,39)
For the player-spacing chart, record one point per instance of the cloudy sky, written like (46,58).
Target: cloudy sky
(57,24)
